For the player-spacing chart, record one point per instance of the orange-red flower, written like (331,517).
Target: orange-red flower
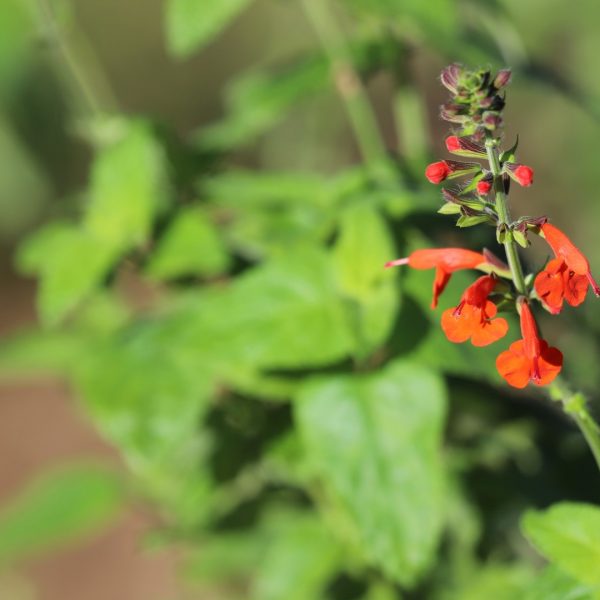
(473,318)
(567,276)
(445,261)
(529,359)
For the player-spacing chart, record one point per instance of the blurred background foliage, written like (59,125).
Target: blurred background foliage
(206,192)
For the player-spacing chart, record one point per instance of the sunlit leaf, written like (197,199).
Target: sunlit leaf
(374,443)
(553,584)
(568,535)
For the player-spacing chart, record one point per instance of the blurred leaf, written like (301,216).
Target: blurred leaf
(568,535)
(553,584)
(284,314)
(191,246)
(497,581)
(16,41)
(258,100)
(360,253)
(192,24)
(374,442)
(71,264)
(127,189)
(299,561)
(61,506)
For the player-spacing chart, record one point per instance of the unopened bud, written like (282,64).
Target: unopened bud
(522,174)
(502,78)
(450,76)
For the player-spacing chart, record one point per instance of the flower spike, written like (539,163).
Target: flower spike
(473,318)
(445,261)
(529,359)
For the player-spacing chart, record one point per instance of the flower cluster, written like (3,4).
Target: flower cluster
(475,109)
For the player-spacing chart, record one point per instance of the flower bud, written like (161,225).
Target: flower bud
(483,187)
(438,171)
(450,76)
(522,174)
(491,120)
(464,146)
(502,78)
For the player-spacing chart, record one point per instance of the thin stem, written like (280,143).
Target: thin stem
(85,86)
(575,405)
(512,255)
(349,87)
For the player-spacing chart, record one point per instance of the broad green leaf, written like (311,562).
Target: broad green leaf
(191,245)
(283,314)
(299,561)
(374,443)
(71,264)
(553,584)
(568,535)
(127,189)
(59,507)
(363,246)
(192,24)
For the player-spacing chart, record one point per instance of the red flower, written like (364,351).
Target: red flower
(464,146)
(473,317)
(522,174)
(567,276)
(444,260)
(438,171)
(529,359)
(483,187)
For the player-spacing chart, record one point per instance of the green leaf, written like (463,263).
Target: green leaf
(449,209)
(360,253)
(127,190)
(553,584)
(299,561)
(71,264)
(191,245)
(284,314)
(568,535)
(363,247)
(192,24)
(59,507)
(374,443)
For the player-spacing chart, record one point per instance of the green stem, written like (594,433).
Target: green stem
(349,86)
(575,405)
(512,255)
(81,76)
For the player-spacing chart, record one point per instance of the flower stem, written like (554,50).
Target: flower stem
(575,405)
(512,255)
(350,88)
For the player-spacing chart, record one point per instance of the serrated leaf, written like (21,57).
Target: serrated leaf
(568,535)
(192,245)
(373,441)
(59,507)
(192,24)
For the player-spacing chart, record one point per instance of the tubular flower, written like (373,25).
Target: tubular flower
(445,261)
(529,359)
(443,169)
(522,174)
(567,276)
(474,316)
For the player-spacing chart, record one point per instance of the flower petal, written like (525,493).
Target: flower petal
(459,327)
(489,331)
(514,366)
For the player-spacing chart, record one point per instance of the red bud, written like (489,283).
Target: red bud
(522,174)
(483,187)
(438,171)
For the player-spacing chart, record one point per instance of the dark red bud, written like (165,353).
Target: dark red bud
(502,78)
(450,76)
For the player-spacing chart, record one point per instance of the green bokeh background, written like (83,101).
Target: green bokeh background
(504,452)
